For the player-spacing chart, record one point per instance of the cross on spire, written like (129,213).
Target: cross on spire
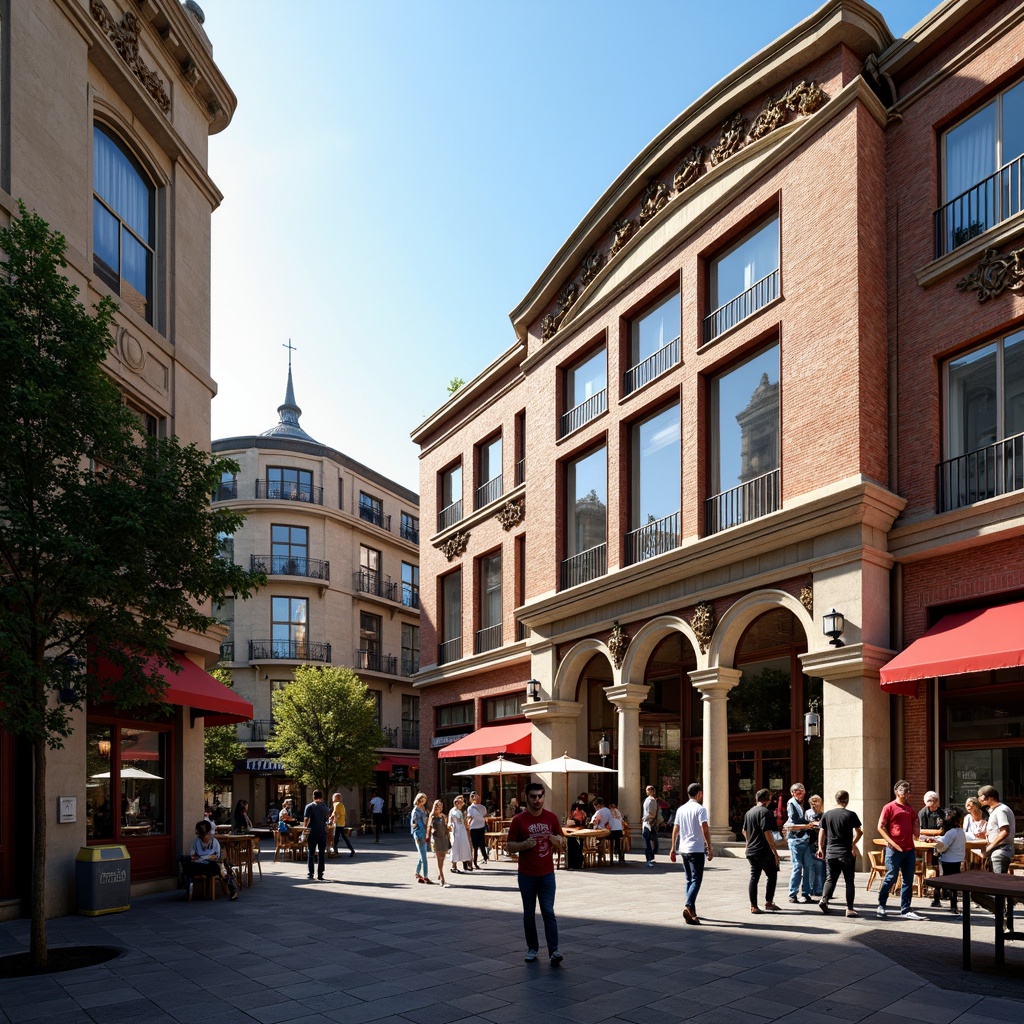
(291,348)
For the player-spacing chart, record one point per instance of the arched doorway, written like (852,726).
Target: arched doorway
(595,678)
(765,714)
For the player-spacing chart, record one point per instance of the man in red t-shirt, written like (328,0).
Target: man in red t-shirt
(533,834)
(899,826)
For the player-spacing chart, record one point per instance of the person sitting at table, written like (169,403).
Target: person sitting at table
(931,815)
(952,849)
(286,816)
(579,811)
(204,859)
(513,807)
(975,819)
(602,816)
(240,820)
(616,829)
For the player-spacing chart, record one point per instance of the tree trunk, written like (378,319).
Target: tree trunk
(37,945)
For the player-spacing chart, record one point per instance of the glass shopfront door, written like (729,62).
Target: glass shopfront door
(751,770)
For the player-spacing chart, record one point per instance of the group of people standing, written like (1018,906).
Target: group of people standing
(459,837)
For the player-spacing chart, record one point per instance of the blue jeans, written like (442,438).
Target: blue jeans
(650,842)
(694,865)
(316,852)
(421,865)
(818,872)
(532,888)
(898,862)
(801,866)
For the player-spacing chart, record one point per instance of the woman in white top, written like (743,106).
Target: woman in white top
(462,850)
(951,846)
(975,824)
(616,833)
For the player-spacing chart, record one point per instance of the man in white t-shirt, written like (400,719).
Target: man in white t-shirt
(692,838)
(650,817)
(602,816)
(377,812)
(476,821)
(1001,828)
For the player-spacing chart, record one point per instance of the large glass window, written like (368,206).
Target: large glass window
(743,279)
(982,169)
(289,616)
(586,501)
(289,548)
(586,391)
(369,570)
(654,343)
(410,722)
(656,485)
(489,634)
(123,223)
(289,484)
(410,649)
(410,585)
(409,528)
(490,488)
(451,617)
(505,707)
(450,497)
(745,442)
(455,715)
(125,791)
(368,655)
(370,509)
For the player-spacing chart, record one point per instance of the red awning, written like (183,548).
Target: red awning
(975,641)
(492,739)
(195,688)
(387,763)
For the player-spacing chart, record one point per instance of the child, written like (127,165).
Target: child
(616,836)
(952,850)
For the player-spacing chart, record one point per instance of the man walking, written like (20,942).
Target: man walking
(338,817)
(801,845)
(839,833)
(377,813)
(898,825)
(758,825)
(314,823)
(692,838)
(650,826)
(476,821)
(533,834)
(1002,825)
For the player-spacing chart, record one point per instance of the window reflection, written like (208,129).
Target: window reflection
(99,822)
(142,782)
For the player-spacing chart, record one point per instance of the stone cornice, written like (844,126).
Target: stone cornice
(851,661)
(501,657)
(553,710)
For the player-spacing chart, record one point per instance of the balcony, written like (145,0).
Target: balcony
(986,473)
(449,516)
(258,729)
(289,650)
(373,514)
(410,664)
(275,491)
(226,490)
(373,661)
(653,366)
(488,639)
(449,651)
(993,200)
(654,538)
(750,500)
(408,531)
(227,651)
(747,304)
(406,738)
(583,413)
(520,472)
(366,581)
(291,565)
(488,492)
(410,595)
(587,565)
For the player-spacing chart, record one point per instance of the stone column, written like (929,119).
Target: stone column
(714,685)
(554,733)
(627,698)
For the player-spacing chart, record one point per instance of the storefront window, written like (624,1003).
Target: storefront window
(142,775)
(449,784)
(99,821)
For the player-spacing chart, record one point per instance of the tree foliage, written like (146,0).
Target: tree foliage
(325,728)
(108,541)
(221,749)
(454,384)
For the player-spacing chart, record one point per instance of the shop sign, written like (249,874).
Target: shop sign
(263,764)
(443,741)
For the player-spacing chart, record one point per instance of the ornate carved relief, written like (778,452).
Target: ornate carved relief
(125,38)
(621,231)
(590,266)
(454,545)
(703,623)
(689,170)
(773,114)
(512,513)
(805,98)
(618,641)
(995,274)
(734,131)
(132,352)
(654,199)
(807,598)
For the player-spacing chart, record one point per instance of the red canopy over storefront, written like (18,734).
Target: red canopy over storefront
(492,739)
(974,641)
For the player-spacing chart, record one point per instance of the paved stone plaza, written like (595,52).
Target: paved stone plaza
(369,944)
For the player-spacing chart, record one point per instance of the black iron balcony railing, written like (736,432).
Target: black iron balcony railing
(488,492)
(450,515)
(449,651)
(227,650)
(275,490)
(410,664)
(983,206)
(986,473)
(366,581)
(520,472)
(488,639)
(410,531)
(750,500)
(652,539)
(410,595)
(291,565)
(653,366)
(587,565)
(373,514)
(374,661)
(293,650)
(583,413)
(749,302)
(405,738)
(226,490)
(259,729)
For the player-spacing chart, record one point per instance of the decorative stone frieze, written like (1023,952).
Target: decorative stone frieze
(689,171)
(734,132)
(995,274)
(590,266)
(654,199)
(807,598)
(454,545)
(618,641)
(703,623)
(125,37)
(621,231)
(511,514)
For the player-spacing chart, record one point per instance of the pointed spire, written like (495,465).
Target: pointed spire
(289,413)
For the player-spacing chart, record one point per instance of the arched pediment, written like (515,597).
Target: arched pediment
(726,638)
(572,665)
(643,644)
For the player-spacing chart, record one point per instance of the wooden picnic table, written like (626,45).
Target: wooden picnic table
(1005,889)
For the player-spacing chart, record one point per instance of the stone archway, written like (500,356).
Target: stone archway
(730,629)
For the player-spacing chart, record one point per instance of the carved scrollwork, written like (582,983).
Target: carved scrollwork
(653,200)
(618,641)
(549,326)
(125,37)
(734,131)
(511,514)
(773,114)
(621,231)
(805,98)
(689,170)
(703,623)
(995,274)
(567,296)
(454,545)
(590,266)
(807,598)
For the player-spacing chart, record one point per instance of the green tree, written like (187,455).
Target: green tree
(108,539)
(325,728)
(221,748)
(454,384)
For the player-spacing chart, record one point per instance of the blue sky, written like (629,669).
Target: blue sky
(398,174)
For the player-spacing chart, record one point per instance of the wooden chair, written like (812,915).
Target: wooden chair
(279,848)
(627,837)
(876,861)
(922,870)
(591,851)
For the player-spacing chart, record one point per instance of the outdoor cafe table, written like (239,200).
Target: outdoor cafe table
(928,849)
(238,850)
(1005,889)
(579,836)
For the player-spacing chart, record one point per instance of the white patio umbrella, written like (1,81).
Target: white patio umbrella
(499,766)
(567,764)
(128,773)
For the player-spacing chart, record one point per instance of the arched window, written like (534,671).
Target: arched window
(123,223)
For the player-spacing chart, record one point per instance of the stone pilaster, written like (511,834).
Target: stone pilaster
(554,733)
(627,698)
(714,685)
